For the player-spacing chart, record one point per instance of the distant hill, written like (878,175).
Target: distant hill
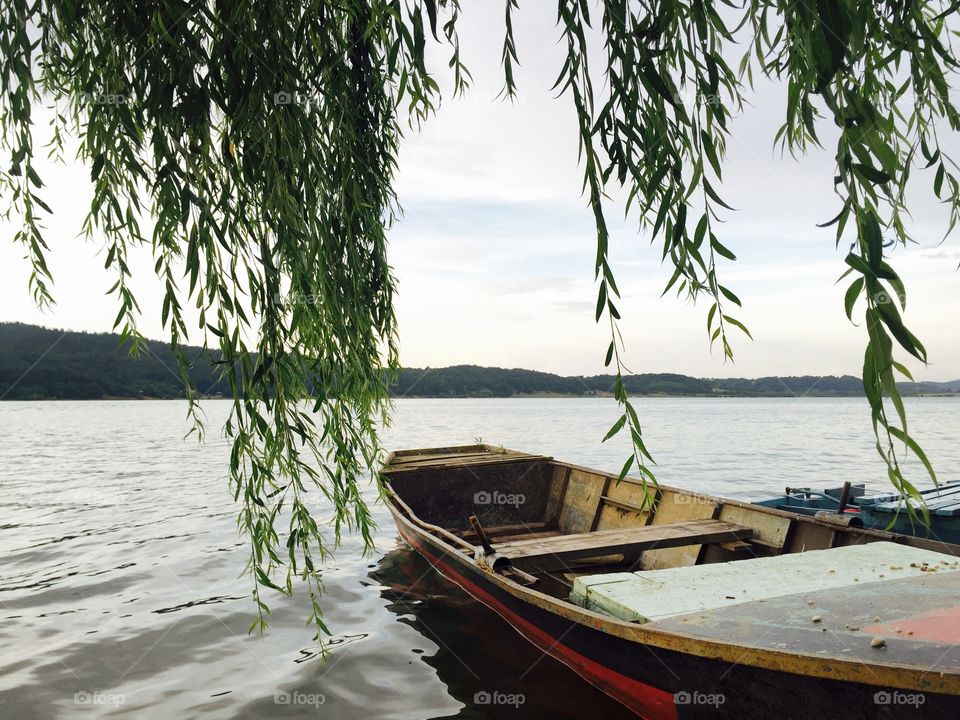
(474,381)
(41,364)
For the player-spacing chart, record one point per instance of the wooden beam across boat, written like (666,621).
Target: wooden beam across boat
(456,457)
(563,548)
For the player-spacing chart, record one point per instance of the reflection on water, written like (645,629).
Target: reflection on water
(481,659)
(122,592)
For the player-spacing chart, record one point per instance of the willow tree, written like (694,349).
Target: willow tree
(252,147)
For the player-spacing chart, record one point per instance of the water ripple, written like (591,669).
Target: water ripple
(123,592)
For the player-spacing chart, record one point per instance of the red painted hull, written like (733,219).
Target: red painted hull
(647,701)
(656,683)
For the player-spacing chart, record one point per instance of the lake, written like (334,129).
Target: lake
(123,594)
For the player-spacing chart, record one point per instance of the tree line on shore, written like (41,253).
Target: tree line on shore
(42,364)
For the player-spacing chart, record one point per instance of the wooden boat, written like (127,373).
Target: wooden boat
(702,607)
(884,511)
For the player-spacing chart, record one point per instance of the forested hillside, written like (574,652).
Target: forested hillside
(37,364)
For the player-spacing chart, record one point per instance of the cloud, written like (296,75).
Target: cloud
(497,235)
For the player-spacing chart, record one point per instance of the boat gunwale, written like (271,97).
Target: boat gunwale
(885,673)
(925,543)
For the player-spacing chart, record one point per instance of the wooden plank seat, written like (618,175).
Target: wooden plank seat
(557,551)
(945,501)
(929,495)
(504,533)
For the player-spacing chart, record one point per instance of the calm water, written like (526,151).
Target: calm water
(121,595)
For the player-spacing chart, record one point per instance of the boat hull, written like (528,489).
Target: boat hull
(663,684)
(881,513)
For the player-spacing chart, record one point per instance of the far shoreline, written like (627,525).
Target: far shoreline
(517,396)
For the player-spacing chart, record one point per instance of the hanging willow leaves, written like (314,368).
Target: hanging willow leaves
(659,131)
(251,148)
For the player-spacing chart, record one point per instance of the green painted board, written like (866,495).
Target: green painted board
(653,595)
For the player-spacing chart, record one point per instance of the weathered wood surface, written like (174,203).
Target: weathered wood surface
(500,493)
(676,507)
(425,461)
(445,450)
(918,617)
(631,540)
(653,595)
(769,530)
(520,531)
(626,504)
(580,501)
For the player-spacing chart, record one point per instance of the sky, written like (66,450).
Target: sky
(494,253)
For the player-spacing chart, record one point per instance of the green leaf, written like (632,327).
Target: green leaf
(617,427)
(850,297)
(264,579)
(737,323)
(713,195)
(891,318)
(903,370)
(730,296)
(858,264)
(601,300)
(721,249)
(658,83)
(872,237)
(97,166)
(34,178)
(871,173)
(701,230)
(917,450)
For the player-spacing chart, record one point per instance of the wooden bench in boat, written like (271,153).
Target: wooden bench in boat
(651,595)
(556,551)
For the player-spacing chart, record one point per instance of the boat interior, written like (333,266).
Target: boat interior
(581,536)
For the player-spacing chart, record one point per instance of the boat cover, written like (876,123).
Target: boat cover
(652,595)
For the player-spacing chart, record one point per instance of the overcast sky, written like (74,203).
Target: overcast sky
(494,256)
